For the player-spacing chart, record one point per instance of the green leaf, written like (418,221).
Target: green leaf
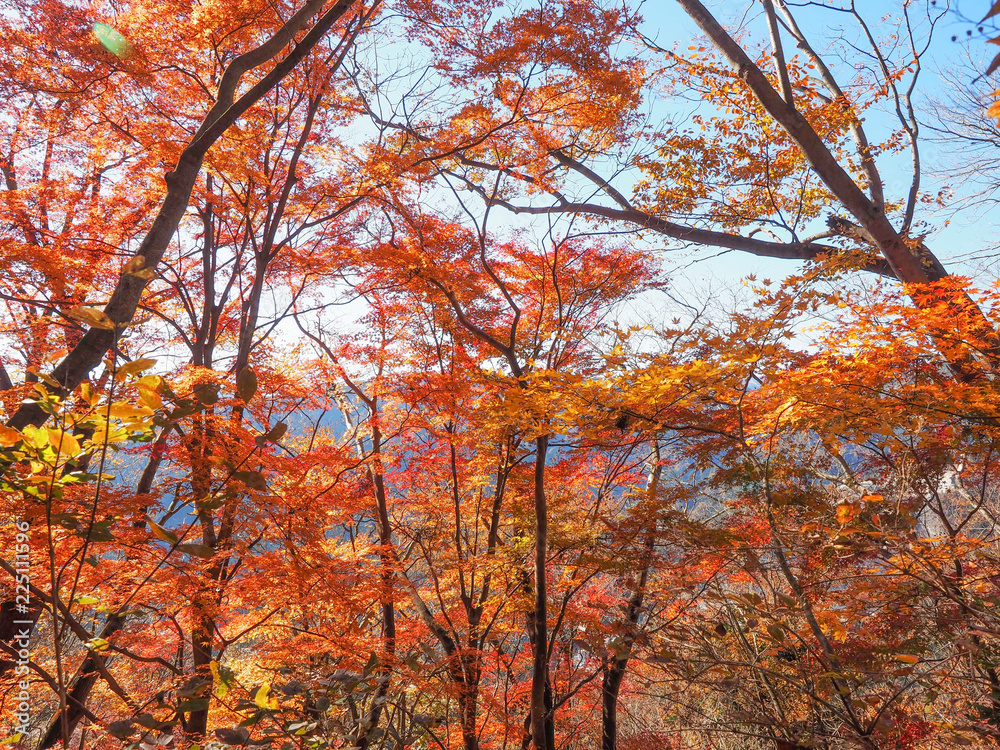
(194,704)
(787,600)
(207,393)
(120,729)
(246,383)
(100,532)
(252,479)
(372,663)
(256,718)
(66,520)
(165,535)
(149,721)
(277,432)
(238,736)
(197,550)
(165,390)
(112,40)
(210,502)
(186,409)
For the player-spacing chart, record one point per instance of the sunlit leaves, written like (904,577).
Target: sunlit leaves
(92,317)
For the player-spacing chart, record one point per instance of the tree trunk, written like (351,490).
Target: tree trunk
(465,675)
(540,689)
(79,692)
(610,685)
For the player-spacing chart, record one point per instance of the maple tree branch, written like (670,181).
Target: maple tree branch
(20,210)
(48,679)
(475,330)
(781,68)
(591,175)
(906,266)
(778,548)
(805,250)
(92,667)
(256,57)
(907,120)
(5,382)
(842,227)
(793,250)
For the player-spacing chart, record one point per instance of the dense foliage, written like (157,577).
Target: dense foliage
(331,422)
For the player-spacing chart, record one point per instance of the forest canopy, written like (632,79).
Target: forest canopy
(360,386)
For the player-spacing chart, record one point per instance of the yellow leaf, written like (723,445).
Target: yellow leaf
(150,398)
(110,436)
(262,697)
(38,436)
(135,263)
(150,381)
(845,512)
(64,443)
(221,686)
(92,317)
(136,365)
(129,413)
(87,393)
(9,437)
